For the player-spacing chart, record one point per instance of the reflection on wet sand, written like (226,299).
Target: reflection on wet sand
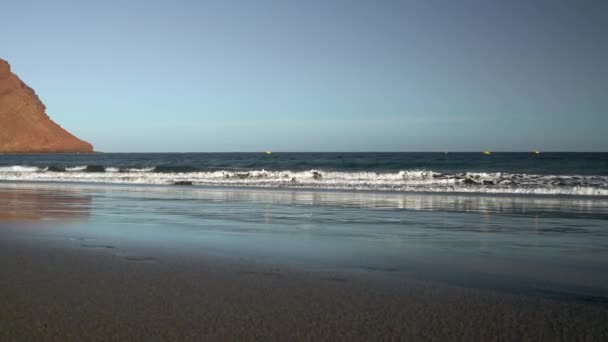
(23,203)
(57,201)
(516,244)
(510,205)
(19,201)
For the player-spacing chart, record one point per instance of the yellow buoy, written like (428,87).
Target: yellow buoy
(536,152)
(268,152)
(487,152)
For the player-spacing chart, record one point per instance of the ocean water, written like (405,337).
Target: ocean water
(584,174)
(532,224)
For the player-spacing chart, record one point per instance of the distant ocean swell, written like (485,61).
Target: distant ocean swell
(404,181)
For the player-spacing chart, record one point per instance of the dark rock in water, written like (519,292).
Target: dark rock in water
(469,181)
(95,168)
(460,176)
(317,175)
(242,175)
(293,179)
(182,183)
(488,182)
(24,124)
(56,168)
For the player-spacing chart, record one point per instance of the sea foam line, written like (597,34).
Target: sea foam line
(407,180)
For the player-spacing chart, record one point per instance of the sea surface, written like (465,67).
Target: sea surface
(531,224)
(499,173)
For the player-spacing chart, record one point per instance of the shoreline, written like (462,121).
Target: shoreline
(224,187)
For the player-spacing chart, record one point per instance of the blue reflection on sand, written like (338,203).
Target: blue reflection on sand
(548,245)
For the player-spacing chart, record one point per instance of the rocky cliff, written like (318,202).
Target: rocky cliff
(24,125)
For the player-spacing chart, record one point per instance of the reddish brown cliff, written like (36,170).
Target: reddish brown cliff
(24,125)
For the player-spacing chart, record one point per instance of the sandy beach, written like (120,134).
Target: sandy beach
(62,289)
(94,262)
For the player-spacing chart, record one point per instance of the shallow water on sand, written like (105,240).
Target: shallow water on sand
(541,246)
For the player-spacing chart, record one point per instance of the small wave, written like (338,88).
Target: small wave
(130,169)
(54,168)
(134,169)
(406,180)
(19,168)
(76,168)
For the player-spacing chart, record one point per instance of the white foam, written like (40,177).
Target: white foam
(407,180)
(144,169)
(76,168)
(19,168)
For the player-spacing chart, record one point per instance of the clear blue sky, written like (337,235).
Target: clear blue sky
(317,75)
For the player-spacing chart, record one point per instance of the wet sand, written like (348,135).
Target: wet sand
(58,290)
(114,263)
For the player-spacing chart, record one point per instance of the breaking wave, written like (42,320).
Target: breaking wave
(404,181)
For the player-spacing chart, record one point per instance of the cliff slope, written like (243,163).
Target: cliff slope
(24,125)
